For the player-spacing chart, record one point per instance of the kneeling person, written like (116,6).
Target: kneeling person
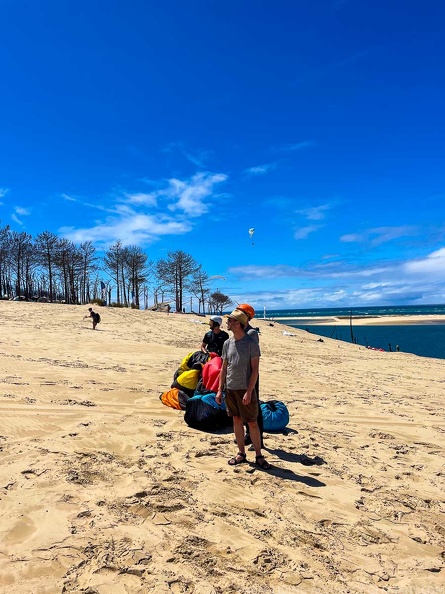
(94,316)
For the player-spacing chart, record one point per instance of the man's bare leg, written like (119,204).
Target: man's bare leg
(238,429)
(255,436)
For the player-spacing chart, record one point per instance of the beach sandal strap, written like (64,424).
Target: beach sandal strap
(238,459)
(262,462)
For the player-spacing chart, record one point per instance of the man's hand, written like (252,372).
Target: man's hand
(218,397)
(247,397)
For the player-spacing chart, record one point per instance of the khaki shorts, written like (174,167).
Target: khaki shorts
(236,408)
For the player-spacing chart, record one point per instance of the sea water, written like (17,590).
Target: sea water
(425,339)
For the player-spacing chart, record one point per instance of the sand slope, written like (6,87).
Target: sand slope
(103,490)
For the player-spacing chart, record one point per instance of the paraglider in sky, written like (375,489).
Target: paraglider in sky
(251,232)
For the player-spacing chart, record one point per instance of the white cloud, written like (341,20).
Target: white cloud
(193,196)
(351,238)
(19,212)
(82,202)
(314,213)
(298,146)
(380,235)
(176,203)
(269,272)
(304,232)
(3,192)
(432,265)
(142,198)
(134,228)
(417,281)
(22,211)
(198,158)
(68,198)
(260,169)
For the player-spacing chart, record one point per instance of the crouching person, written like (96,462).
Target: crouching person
(239,373)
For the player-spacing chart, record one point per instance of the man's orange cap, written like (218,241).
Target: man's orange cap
(247,309)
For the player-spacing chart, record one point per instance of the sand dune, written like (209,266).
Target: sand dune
(103,490)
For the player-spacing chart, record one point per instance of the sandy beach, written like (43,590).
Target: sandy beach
(103,490)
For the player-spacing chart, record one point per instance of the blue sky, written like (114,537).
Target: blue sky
(180,125)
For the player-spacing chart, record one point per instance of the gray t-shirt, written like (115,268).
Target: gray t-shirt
(238,354)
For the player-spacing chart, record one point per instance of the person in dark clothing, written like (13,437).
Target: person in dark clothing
(94,316)
(215,338)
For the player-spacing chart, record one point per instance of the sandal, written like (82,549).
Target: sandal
(262,462)
(238,459)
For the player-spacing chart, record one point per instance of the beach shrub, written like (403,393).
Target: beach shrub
(115,304)
(98,301)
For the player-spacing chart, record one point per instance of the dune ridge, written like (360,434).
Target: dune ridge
(103,490)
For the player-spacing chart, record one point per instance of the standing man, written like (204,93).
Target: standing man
(239,373)
(215,338)
(95,317)
(250,313)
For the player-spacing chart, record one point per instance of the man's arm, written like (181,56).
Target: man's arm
(255,367)
(204,344)
(222,381)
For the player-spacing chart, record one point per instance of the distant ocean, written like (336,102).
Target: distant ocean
(426,339)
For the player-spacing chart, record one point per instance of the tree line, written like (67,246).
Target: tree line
(55,269)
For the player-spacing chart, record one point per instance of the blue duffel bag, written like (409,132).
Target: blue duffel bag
(275,415)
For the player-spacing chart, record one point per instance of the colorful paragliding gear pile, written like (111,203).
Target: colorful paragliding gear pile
(203,412)
(194,390)
(188,374)
(174,398)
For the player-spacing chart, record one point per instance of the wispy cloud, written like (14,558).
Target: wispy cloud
(3,192)
(265,272)
(142,218)
(191,196)
(315,213)
(197,157)
(84,202)
(418,280)
(22,211)
(19,211)
(297,146)
(311,213)
(133,228)
(433,264)
(304,232)
(142,198)
(260,169)
(380,235)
